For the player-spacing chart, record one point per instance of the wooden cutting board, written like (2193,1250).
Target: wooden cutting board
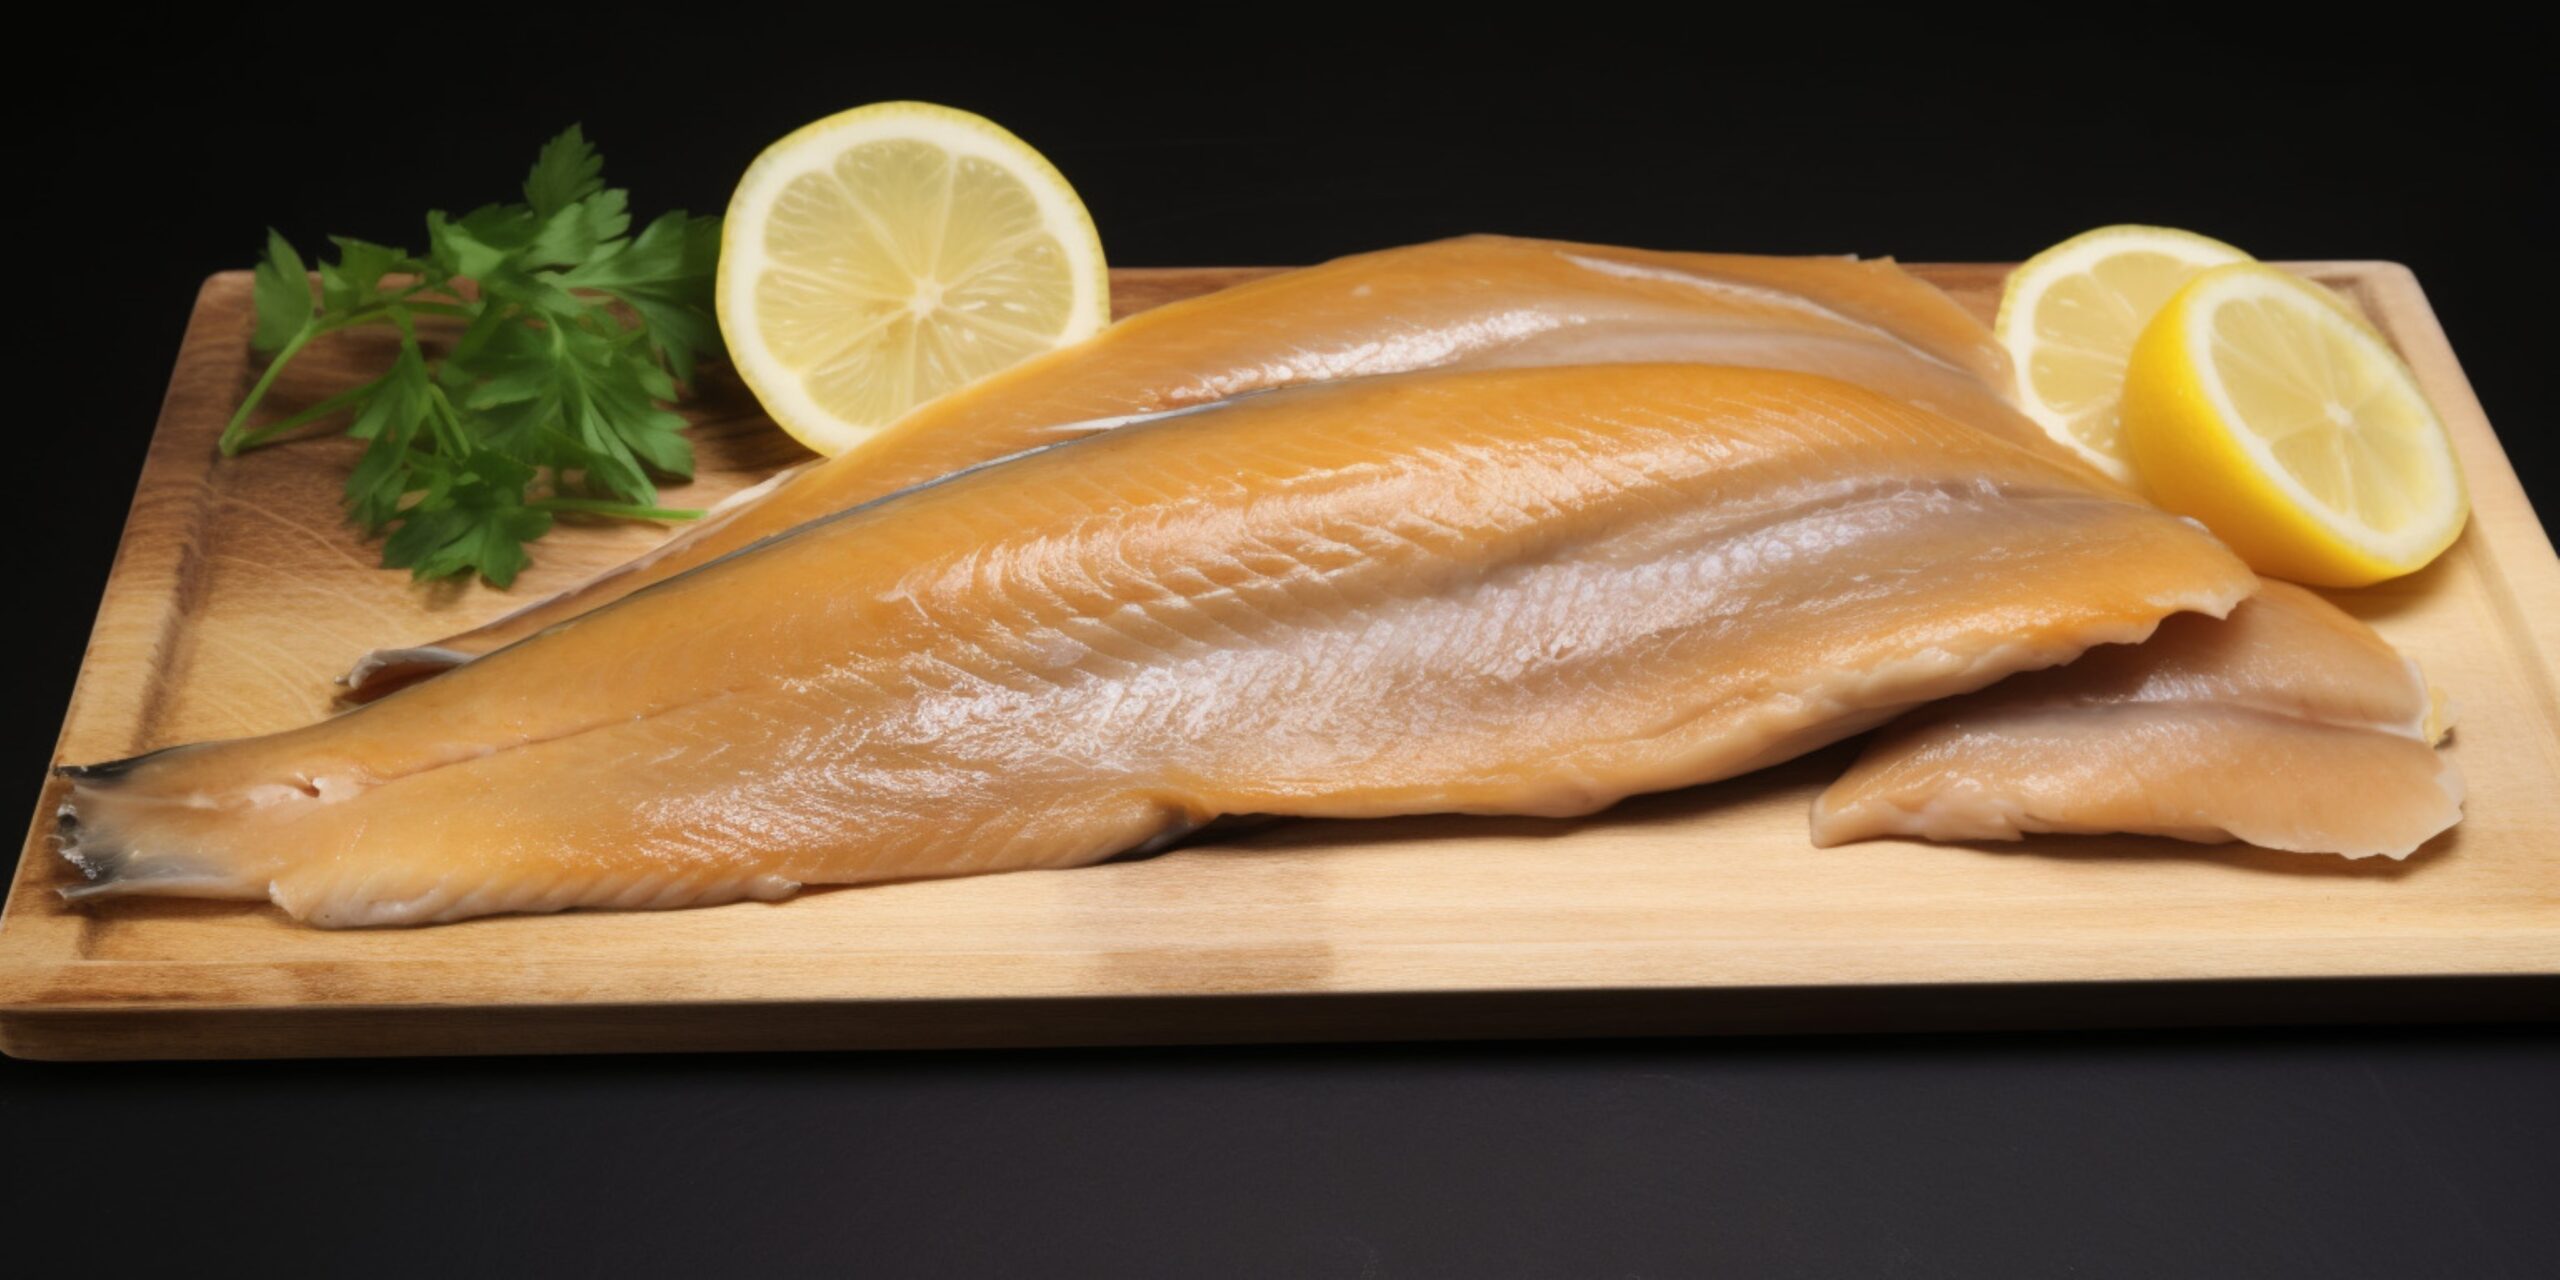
(238,593)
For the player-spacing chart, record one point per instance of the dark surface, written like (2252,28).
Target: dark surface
(2346,1153)
(2376,1154)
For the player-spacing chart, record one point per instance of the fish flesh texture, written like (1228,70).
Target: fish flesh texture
(1495,592)
(1473,302)
(2289,725)
(1517,591)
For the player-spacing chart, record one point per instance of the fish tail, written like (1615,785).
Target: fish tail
(126,834)
(234,820)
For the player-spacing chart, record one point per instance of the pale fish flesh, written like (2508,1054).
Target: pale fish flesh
(2289,725)
(1474,302)
(1495,592)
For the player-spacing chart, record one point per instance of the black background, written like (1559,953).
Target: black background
(2330,1153)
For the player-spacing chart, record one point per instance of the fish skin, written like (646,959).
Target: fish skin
(1471,302)
(1506,592)
(2288,725)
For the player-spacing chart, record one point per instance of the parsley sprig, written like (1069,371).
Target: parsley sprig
(575,336)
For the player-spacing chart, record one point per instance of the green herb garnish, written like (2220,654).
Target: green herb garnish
(553,398)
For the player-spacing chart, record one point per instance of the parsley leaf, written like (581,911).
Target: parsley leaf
(567,171)
(283,293)
(575,337)
(665,274)
(471,517)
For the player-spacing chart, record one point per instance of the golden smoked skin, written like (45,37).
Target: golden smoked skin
(2288,725)
(1512,592)
(1475,302)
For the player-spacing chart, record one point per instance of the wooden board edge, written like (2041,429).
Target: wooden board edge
(142,600)
(2533,584)
(1087,1022)
(2509,538)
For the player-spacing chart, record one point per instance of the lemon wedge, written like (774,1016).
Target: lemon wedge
(893,253)
(2069,318)
(2256,403)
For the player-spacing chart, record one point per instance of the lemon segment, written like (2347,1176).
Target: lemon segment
(891,254)
(2256,403)
(2069,318)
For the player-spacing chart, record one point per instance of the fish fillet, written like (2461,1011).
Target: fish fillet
(1507,592)
(2288,725)
(1475,302)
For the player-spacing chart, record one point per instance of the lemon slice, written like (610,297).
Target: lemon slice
(890,254)
(2070,315)
(2258,404)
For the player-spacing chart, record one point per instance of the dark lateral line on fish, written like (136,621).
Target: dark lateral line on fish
(1858,494)
(1099,433)
(111,770)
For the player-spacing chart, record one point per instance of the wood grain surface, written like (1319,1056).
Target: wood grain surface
(238,593)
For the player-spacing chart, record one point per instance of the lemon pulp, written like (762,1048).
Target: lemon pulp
(2258,404)
(2069,318)
(889,255)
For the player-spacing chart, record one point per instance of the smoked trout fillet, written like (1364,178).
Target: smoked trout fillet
(2288,725)
(1475,302)
(1504,592)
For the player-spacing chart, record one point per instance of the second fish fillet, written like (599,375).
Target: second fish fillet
(1473,302)
(1510,592)
(2289,725)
